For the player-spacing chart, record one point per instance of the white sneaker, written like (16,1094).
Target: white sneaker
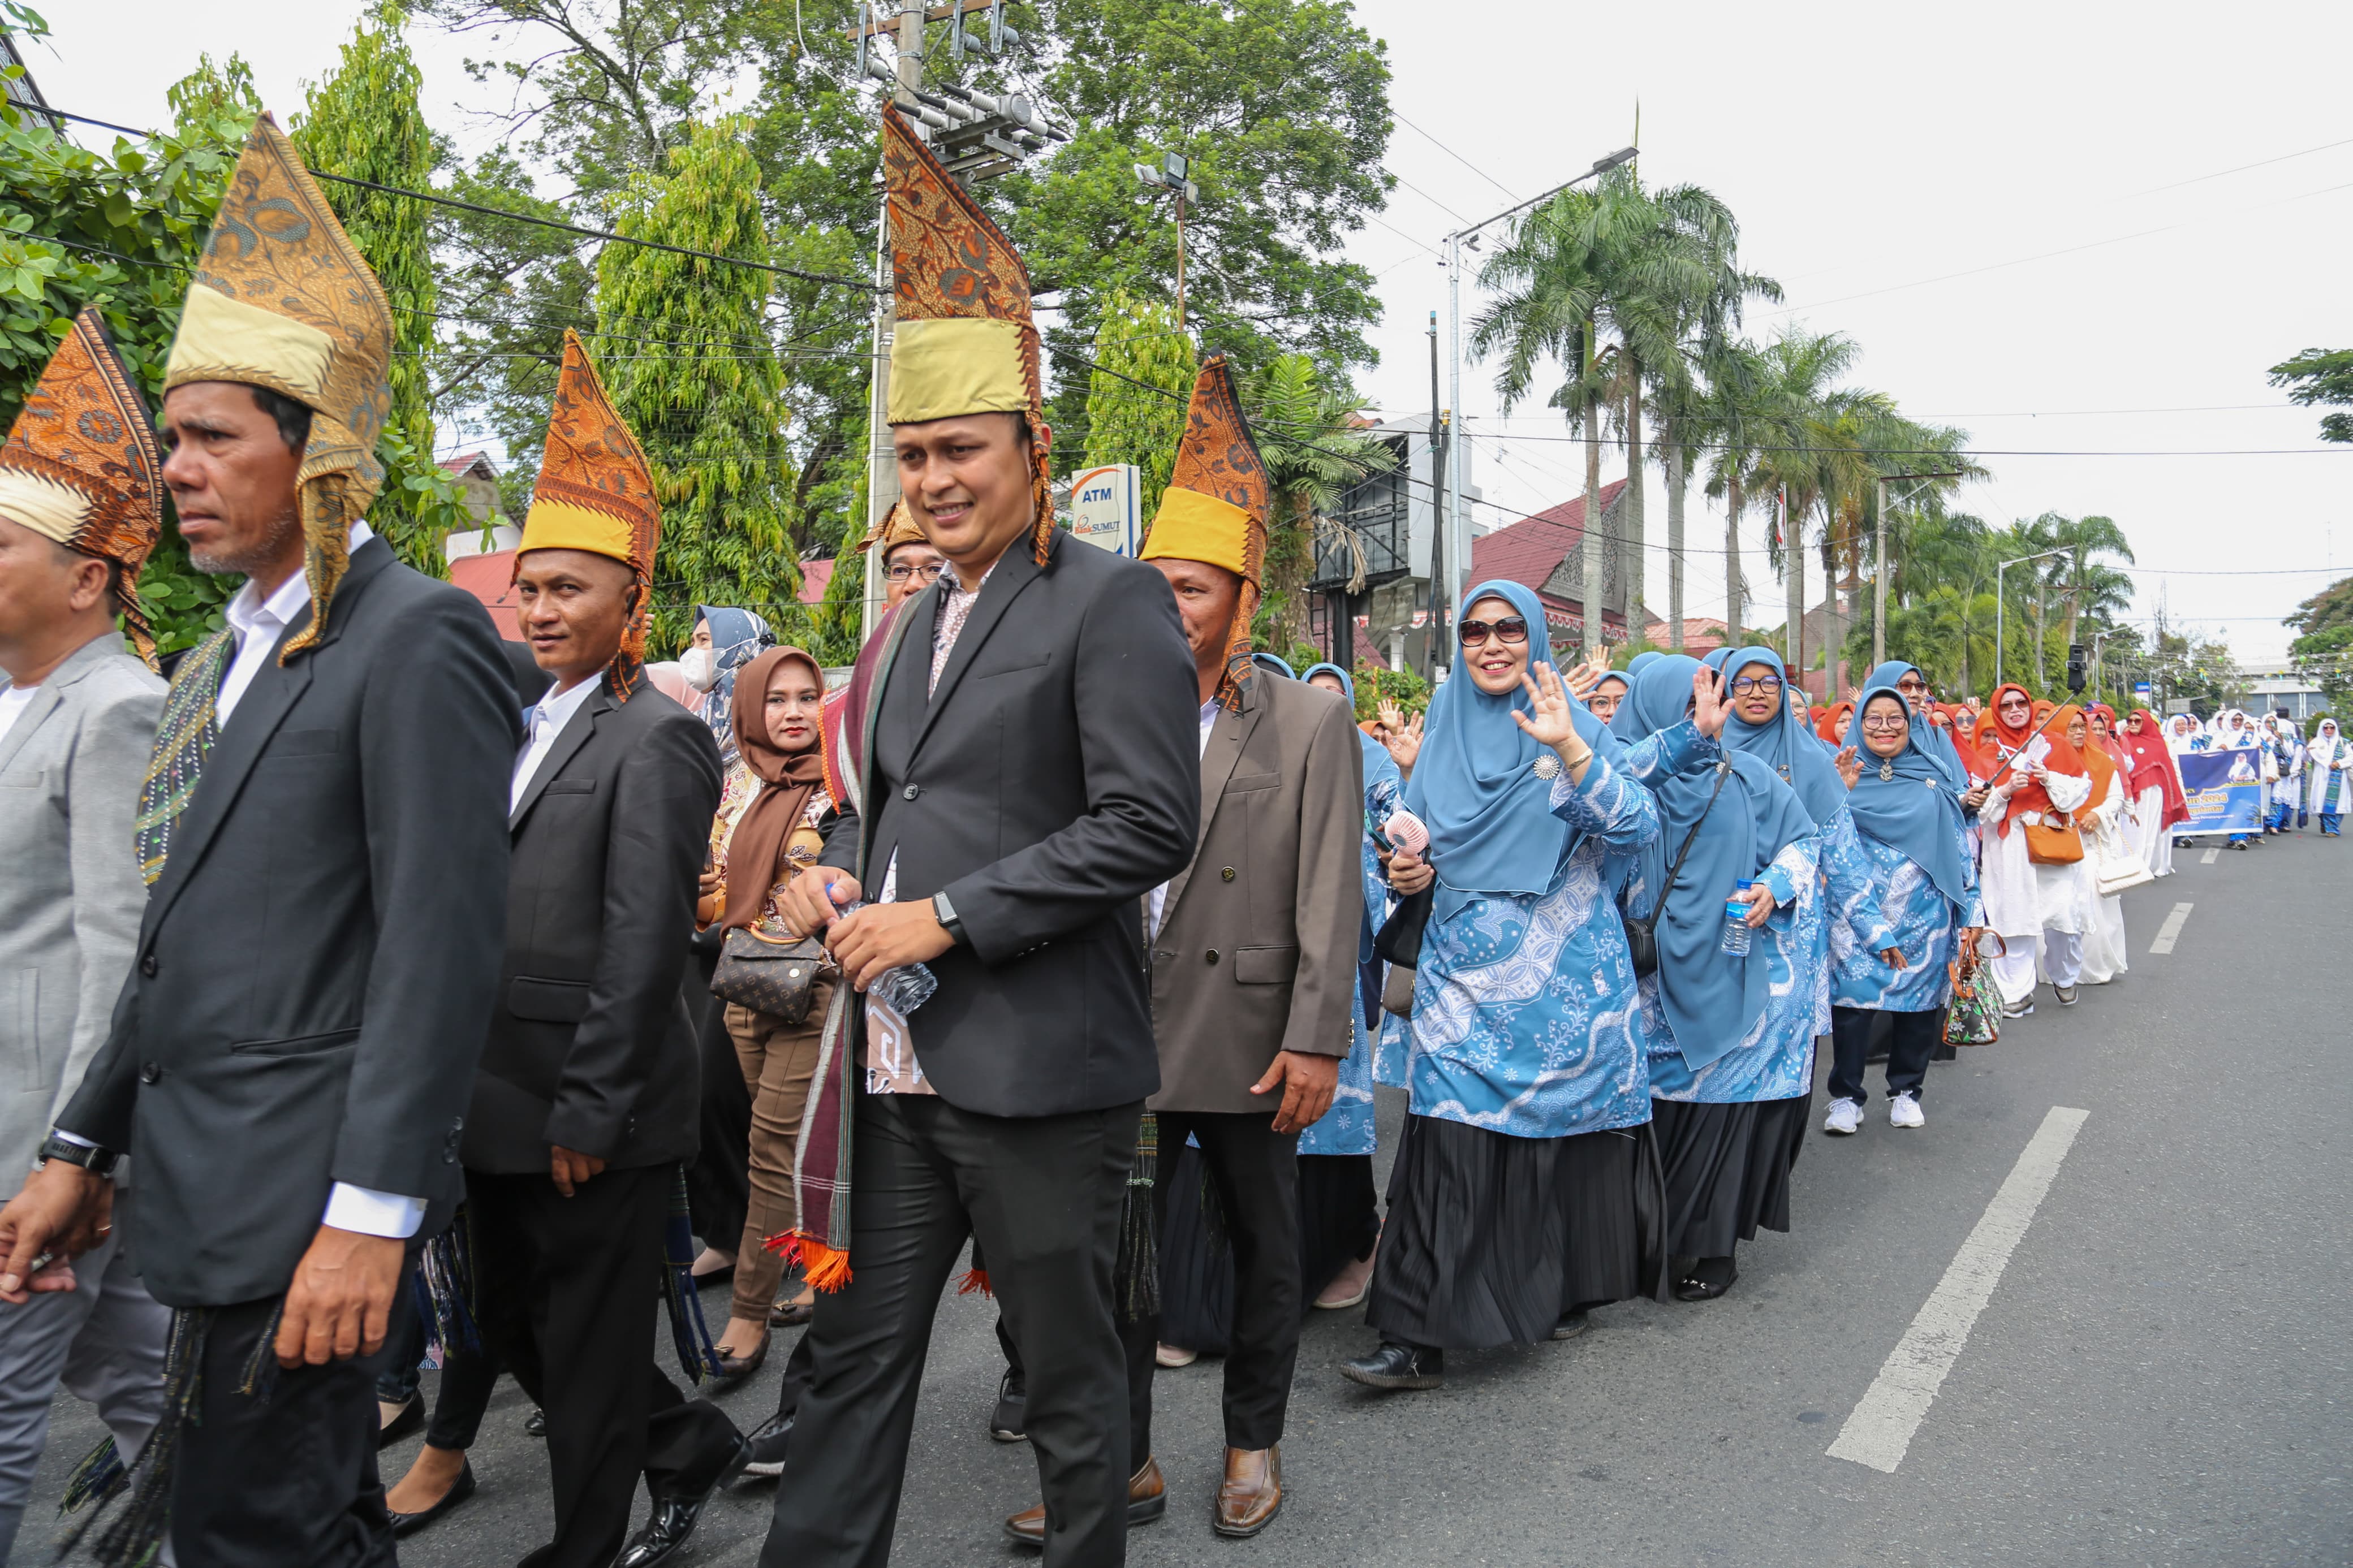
(1904,1111)
(1844,1117)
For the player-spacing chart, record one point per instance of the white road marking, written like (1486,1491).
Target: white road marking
(2169,930)
(1880,1429)
(2209,857)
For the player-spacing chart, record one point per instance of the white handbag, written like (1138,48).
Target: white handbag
(2118,869)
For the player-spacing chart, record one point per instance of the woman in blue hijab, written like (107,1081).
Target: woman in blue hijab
(1906,810)
(1732,1062)
(1910,682)
(725,641)
(1521,1191)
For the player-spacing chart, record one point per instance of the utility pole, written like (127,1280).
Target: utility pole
(1438,596)
(1879,573)
(2001,567)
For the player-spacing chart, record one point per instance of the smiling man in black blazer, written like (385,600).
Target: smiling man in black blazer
(587,1096)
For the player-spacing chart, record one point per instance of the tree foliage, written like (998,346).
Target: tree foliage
(1307,437)
(1138,341)
(2320,376)
(2323,649)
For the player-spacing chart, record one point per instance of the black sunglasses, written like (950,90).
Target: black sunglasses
(1509,628)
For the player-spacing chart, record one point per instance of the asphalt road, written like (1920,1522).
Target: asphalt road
(2159,1375)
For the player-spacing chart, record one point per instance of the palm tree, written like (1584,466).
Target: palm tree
(2091,588)
(1811,452)
(1722,420)
(1308,439)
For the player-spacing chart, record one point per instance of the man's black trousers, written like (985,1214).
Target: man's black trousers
(1914,1036)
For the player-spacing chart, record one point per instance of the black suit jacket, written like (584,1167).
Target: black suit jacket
(592,1045)
(1050,780)
(316,962)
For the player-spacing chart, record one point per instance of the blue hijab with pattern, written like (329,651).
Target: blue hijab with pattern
(1930,738)
(1796,754)
(1910,800)
(737,638)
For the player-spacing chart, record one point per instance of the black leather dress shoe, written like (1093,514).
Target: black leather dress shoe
(535,1425)
(459,1490)
(768,1444)
(1397,1365)
(410,1419)
(1008,1422)
(675,1518)
(735,1368)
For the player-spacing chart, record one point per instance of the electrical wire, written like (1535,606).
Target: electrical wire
(1451,152)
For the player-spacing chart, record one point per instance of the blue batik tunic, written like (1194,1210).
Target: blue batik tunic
(1347,1127)
(1922,923)
(1525,1018)
(1776,1061)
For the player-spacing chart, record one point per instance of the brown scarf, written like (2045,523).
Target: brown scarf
(756,851)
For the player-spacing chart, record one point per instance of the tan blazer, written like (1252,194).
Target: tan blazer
(1256,952)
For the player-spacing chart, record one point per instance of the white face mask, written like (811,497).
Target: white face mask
(700,666)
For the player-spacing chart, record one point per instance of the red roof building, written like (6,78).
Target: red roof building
(1545,552)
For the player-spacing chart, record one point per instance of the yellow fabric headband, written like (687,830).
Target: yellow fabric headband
(1191,526)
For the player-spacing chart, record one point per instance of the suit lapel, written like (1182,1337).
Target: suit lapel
(1015,571)
(50,693)
(1228,737)
(918,611)
(568,742)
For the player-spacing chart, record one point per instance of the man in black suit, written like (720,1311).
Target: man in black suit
(1028,775)
(320,829)
(588,1093)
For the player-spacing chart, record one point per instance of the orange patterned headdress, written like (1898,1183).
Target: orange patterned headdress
(1215,505)
(965,342)
(897,527)
(283,300)
(595,493)
(80,465)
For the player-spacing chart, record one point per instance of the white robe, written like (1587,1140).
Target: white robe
(2103,933)
(2021,899)
(2317,772)
(2152,841)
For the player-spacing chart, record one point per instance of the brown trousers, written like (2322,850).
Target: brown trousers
(778,1063)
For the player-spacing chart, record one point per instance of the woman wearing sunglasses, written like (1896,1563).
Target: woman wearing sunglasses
(1906,809)
(1526,1160)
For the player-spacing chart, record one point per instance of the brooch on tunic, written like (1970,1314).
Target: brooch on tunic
(1547,766)
(1886,770)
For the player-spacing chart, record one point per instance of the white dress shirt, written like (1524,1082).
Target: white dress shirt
(541,725)
(258,623)
(1159,895)
(13,700)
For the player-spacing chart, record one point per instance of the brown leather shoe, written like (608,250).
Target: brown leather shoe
(1252,1494)
(1148,1500)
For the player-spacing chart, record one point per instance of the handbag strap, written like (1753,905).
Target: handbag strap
(1722,772)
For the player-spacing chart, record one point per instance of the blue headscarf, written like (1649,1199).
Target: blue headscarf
(1274,665)
(1930,738)
(1641,661)
(1791,751)
(1715,660)
(1621,723)
(1377,756)
(737,638)
(1914,807)
(1491,829)
(1712,1000)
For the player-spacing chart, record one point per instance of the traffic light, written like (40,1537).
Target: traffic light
(2074,666)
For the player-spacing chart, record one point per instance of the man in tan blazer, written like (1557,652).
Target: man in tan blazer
(1254,945)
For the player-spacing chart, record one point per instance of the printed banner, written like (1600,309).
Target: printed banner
(2225,790)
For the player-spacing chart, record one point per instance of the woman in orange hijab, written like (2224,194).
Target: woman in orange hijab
(2101,823)
(1831,723)
(2032,891)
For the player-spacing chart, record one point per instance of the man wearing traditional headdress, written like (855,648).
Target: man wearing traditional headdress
(1253,949)
(588,1095)
(80,503)
(1024,781)
(322,829)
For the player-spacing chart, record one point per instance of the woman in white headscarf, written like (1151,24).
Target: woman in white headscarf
(2329,777)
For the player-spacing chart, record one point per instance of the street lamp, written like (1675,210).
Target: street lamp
(1998,622)
(1457,542)
(1879,573)
(1171,176)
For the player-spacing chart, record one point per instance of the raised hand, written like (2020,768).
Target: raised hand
(1403,739)
(1708,707)
(1850,766)
(1550,724)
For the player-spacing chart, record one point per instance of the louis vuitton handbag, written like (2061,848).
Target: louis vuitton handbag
(769,975)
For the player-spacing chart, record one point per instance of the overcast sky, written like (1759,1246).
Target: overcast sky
(2039,221)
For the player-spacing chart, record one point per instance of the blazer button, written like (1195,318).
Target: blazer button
(911,792)
(1213,955)
(151,1072)
(1228,873)
(147,966)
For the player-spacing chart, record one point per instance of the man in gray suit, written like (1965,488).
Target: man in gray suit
(77,717)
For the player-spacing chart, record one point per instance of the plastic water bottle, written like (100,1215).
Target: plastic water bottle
(903,989)
(1735,921)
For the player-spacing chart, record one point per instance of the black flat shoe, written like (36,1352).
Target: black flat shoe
(1397,1365)
(768,1444)
(1571,1324)
(410,1419)
(535,1426)
(735,1368)
(459,1490)
(1008,1423)
(675,1518)
(1701,1282)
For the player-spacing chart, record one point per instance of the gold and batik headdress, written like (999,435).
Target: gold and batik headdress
(283,300)
(596,492)
(964,342)
(80,466)
(1216,506)
(898,527)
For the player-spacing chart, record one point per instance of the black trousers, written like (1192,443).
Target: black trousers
(1255,1172)
(1043,1195)
(718,1179)
(468,1376)
(569,1289)
(288,1480)
(1915,1038)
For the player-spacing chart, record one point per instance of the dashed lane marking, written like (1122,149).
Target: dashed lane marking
(1881,1427)
(2209,857)
(2168,933)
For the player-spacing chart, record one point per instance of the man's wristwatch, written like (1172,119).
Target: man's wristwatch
(98,1161)
(944,912)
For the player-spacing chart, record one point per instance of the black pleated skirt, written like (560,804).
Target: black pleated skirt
(1492,1238)
(1727,1168)
(1339,1221)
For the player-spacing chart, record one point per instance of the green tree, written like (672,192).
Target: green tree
(1307,437)
(1810,452)
(363,122)
(2323,649)
(2320,376)
(1138,341)
(709,405)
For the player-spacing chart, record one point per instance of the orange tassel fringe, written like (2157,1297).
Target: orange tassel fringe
(824,1267)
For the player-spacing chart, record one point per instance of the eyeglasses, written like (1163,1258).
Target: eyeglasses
(1884,721)
(1768,684)
(903,570)
(1508,629)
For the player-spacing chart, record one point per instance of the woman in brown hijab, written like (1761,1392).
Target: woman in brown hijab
(765,834)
